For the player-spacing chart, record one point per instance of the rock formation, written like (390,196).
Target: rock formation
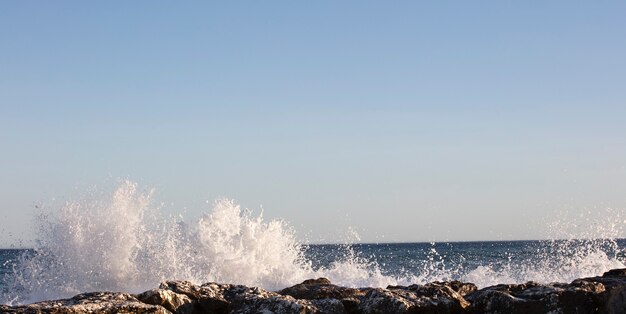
(604,294)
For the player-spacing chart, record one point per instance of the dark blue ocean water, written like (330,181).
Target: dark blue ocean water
(519,260)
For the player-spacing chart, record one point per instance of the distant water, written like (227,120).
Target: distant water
(119,242)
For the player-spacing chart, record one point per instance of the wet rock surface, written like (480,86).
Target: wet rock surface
(602,294)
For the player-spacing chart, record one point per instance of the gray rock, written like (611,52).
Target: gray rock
(168,299)
(532,297)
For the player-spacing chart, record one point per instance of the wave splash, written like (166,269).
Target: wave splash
(581,245)
(121,242)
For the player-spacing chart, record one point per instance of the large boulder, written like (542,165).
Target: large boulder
(436,297)
(321,288)
(613,299)
(170,300)
(531,297)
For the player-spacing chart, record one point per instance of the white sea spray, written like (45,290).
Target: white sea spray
(580,244)
(121,241)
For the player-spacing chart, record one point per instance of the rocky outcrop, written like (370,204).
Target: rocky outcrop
(94,302)
(603,294)
(537,298)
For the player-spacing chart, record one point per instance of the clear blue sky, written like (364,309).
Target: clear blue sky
(407,121)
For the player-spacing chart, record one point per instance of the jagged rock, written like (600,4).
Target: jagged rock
(321,288)
(383,301)
(207,298)
(430,298)
(328,298)
(226,298)
(462,288)
(443,295)
(438,297)
(257,300)
(94,302)
(168,299)
(532,297)
(612,299)
(331,306)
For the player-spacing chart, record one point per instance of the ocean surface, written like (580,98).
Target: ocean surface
(119,242)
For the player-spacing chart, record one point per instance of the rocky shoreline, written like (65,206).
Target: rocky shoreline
(603,294)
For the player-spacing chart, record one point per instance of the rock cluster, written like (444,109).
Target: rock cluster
(604,294)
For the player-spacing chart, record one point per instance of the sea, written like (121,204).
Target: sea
(121,242)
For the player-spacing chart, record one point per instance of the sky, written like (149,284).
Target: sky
(402,121)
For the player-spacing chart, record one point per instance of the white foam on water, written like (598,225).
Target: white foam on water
(582,244)
(121,242)
(560,262)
